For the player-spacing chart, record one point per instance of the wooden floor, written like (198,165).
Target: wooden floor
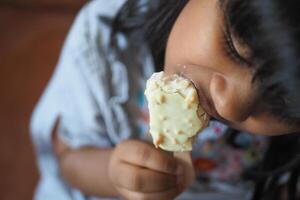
(30,42)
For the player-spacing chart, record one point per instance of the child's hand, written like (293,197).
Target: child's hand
(139,171)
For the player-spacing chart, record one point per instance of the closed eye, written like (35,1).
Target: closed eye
(231,51)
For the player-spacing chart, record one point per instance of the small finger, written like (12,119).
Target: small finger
(164,195)
(139,179)
(145,155)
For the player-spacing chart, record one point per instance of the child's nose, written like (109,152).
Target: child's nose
(232,99)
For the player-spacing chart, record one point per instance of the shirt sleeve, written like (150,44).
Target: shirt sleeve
(81,120)
(68,96)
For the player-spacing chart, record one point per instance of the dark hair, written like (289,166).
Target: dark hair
(271,30)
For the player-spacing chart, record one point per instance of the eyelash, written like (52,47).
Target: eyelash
(231,51)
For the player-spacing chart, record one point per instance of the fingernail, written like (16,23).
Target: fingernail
(179,170)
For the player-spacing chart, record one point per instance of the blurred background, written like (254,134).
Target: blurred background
(31,36)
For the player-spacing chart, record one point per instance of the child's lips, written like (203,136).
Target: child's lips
(189,72)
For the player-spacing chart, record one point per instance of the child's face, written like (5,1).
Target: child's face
(224,85)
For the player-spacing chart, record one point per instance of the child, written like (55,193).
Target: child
(241,55)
